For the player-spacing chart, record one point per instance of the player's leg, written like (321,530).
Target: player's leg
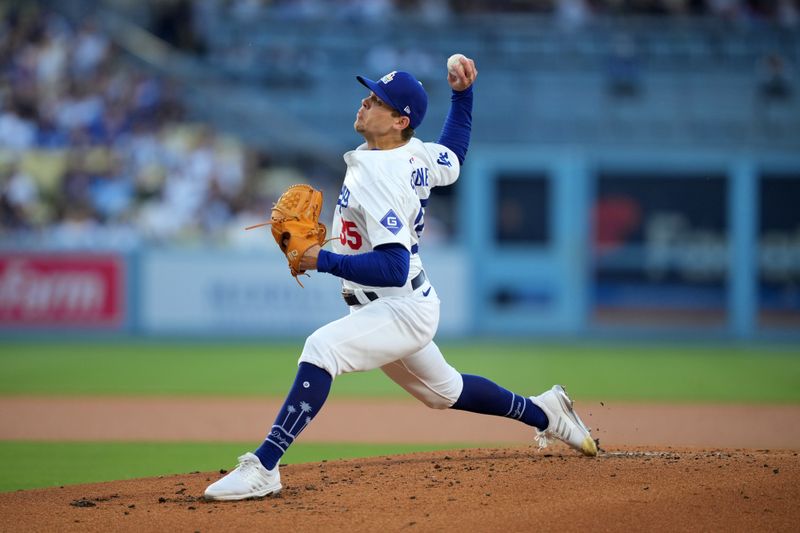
(367,338)
(257,473)
(551,413)
(431,379)
(363,340)
(304,400)
(428,377)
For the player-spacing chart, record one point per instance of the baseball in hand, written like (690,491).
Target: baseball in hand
(453,61)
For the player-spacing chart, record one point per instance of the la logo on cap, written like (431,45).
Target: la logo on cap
(389,77)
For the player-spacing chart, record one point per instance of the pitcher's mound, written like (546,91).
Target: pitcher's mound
(516,489)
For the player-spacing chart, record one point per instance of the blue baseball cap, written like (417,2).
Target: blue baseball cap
(402,92)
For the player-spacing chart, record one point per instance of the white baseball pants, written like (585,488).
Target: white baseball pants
(395,334)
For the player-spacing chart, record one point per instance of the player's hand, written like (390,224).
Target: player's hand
(309,259)
(462,75)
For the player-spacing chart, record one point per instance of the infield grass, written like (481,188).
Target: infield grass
(27,465)
(627,372)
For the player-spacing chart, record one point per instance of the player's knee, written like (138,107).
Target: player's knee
(438,402)
(318,353)
(444,395)
(448,391)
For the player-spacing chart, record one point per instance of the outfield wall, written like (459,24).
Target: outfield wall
(559,241)
(206,292)
(253,294)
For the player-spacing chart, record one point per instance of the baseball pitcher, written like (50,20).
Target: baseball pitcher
(393,308)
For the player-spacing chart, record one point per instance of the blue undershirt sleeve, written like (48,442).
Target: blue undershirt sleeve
(385,266)
(458,124)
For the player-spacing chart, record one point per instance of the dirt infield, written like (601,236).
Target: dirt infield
(517,489)
(387,421)
(685,468)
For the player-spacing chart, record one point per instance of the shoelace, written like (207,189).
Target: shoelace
(249,467)
(247,463)
(541,438)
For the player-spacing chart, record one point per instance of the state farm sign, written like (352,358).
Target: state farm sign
(61,290)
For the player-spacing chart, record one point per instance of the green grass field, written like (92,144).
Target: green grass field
(27,465)
(679,372)
(636,372)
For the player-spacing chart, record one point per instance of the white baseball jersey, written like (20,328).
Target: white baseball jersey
(384,196)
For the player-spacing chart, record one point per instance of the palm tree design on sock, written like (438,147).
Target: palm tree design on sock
(289,410)
(304,408)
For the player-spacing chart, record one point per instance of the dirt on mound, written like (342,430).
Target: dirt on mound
(515,489)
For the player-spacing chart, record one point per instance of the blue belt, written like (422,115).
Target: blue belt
(350,298)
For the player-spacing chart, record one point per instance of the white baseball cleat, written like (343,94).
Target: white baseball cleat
(248,480)
(564,422)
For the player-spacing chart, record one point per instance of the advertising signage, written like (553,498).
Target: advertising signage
(61,291)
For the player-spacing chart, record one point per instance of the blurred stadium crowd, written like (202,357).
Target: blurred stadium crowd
(96,150)
(226,32)
(782,11)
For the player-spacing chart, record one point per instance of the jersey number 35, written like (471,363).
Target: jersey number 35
(349,236)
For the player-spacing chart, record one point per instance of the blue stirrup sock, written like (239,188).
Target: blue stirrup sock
(306,397)
(483,396)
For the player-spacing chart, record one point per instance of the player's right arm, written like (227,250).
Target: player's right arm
(457,127)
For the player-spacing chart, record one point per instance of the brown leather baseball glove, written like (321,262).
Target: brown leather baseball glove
(295,224)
